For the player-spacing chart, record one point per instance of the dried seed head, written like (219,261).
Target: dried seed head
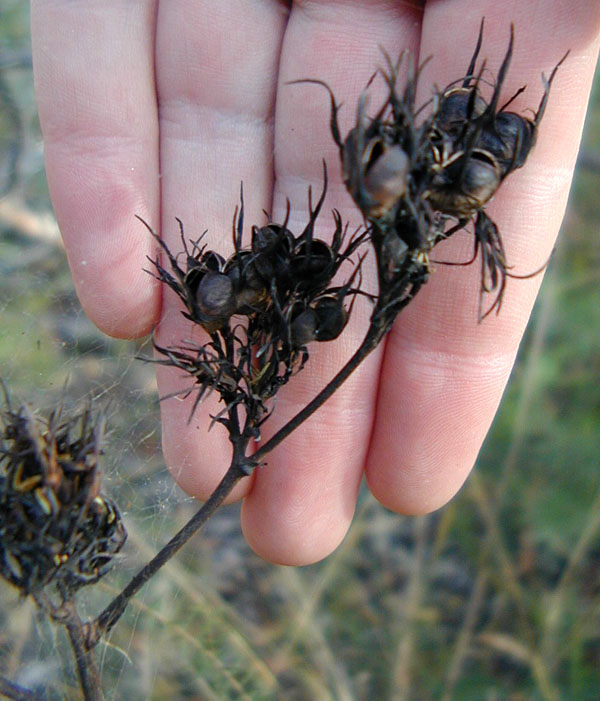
(55,526)
(208,262)
(510,141)
(374,170)
(331,316)
(272,246)
(281,285)
(419,174)
(324,320)
(304,328)
(456,108)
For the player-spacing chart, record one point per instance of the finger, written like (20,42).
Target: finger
(444,374)
(216,68)
(94,77)
(302,503)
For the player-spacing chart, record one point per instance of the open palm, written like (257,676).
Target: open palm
(160,109)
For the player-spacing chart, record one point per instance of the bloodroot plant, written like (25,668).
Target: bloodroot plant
(418,174)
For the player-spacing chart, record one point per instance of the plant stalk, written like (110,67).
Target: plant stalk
(370,342)
(85,660)
(241,466)
(111,614)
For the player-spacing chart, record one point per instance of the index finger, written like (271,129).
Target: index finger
(94,77)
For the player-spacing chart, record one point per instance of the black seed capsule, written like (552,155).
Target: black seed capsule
(272,248)
(510,140)
(466,184)
(215,295)
(332,317)
(385,180)
(457,108)
(312,264)
(304,328)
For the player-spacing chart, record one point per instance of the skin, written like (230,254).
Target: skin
(160,109)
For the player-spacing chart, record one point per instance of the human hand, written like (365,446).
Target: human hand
(161,109)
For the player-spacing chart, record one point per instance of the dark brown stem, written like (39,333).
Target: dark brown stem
(10,690)
(87,667)
(370,342)
(241,466)
(111,614)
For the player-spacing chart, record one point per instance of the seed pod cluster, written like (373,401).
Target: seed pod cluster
(417,173)
(56,527)
(262,306)
(476,144)
(418,178)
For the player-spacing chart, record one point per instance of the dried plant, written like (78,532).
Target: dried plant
(418,174)
(58,532)
(261,307)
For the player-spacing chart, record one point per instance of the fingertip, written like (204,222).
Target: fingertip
(295,541)
(197,460)
(303,500)
(433,413)
(415,497)
(119,310)
(94,80)
(108,259)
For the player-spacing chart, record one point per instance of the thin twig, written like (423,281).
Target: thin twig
(240,467)
(540,672)
(332,670)
(370,342)
(111,614)
(87,667)
(404,662)
(464,639)
(554,610)
(16,692)
(65,614)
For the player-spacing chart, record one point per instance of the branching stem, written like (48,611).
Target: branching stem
(111,614)
(240,467)
(370,342)
(85,660)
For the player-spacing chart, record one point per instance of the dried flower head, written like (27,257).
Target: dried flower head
(419,174)
(55,525)
(476,144)
(262,307)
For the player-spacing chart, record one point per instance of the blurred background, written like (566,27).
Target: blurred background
(495,596)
